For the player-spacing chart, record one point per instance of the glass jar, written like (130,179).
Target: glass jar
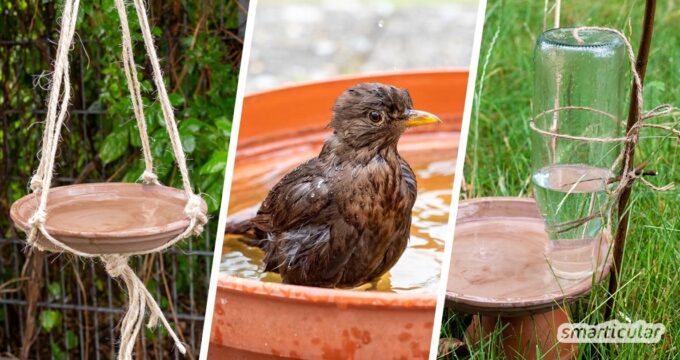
(584,76)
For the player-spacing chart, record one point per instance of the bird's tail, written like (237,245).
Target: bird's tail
(239,227)
(248,232)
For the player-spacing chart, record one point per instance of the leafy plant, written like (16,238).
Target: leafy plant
(199,54)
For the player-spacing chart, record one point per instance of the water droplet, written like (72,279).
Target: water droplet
(381,23)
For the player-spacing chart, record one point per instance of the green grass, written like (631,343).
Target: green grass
(498,163)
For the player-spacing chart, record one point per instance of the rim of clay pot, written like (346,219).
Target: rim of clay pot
(305,94)
(363,77)
(335,297)
(23,208)
(516,306)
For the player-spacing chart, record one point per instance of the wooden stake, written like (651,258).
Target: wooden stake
(633,117)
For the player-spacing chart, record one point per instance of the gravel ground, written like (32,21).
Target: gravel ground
(302,40)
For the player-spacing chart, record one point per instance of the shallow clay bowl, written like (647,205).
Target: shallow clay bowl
(306,322)
(108,218)
(254,319)
(498,266)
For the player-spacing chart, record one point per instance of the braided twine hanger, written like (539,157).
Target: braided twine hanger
(116,265)
(629,175)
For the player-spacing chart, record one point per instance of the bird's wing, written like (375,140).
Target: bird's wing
(409,179)
(297,199)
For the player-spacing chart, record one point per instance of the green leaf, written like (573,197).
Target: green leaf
(57,352)
(132,175)
(156,31)
(54,289)
(99,284)
(190,126)
(71,340)
(49,319)
(214,196)
(176,99)
(217,163)
(188,143)
(160,142)
(114,146)
(224,125)
(135,140)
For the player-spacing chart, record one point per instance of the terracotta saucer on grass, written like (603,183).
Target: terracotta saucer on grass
(499,272)
(108,218)
(498,264)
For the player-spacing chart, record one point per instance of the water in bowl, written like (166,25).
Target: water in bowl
(418,270)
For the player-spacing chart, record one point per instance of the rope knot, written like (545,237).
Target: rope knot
(36,183)
(149,177)
(194,210)
(34,224)
(115,265)
(37,219)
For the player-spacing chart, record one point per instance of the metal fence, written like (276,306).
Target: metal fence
(73,306)
(91,305)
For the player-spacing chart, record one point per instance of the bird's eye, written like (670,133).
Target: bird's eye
(374,116)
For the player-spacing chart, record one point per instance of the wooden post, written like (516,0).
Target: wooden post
(633,117)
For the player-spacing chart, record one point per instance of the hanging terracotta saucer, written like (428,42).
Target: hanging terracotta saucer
(498,265)
(108,218)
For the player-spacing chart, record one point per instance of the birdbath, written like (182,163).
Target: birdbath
(256,319)
(499,273)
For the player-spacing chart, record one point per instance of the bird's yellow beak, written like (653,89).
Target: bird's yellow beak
(417,118)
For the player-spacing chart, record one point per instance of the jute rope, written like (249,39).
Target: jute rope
(633,136)
(116,265)
(148,176)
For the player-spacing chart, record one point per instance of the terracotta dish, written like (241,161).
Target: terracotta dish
(108,218)
(256,320)
(307,322)
(498,266)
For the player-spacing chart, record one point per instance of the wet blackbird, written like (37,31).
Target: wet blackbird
(343,218)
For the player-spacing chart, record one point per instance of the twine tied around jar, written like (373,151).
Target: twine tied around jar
(628,175)
(116,265)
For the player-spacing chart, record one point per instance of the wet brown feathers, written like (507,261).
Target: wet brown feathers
(343,218)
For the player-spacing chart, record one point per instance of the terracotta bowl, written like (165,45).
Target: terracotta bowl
(498,266)
(254,319)
(108,218)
